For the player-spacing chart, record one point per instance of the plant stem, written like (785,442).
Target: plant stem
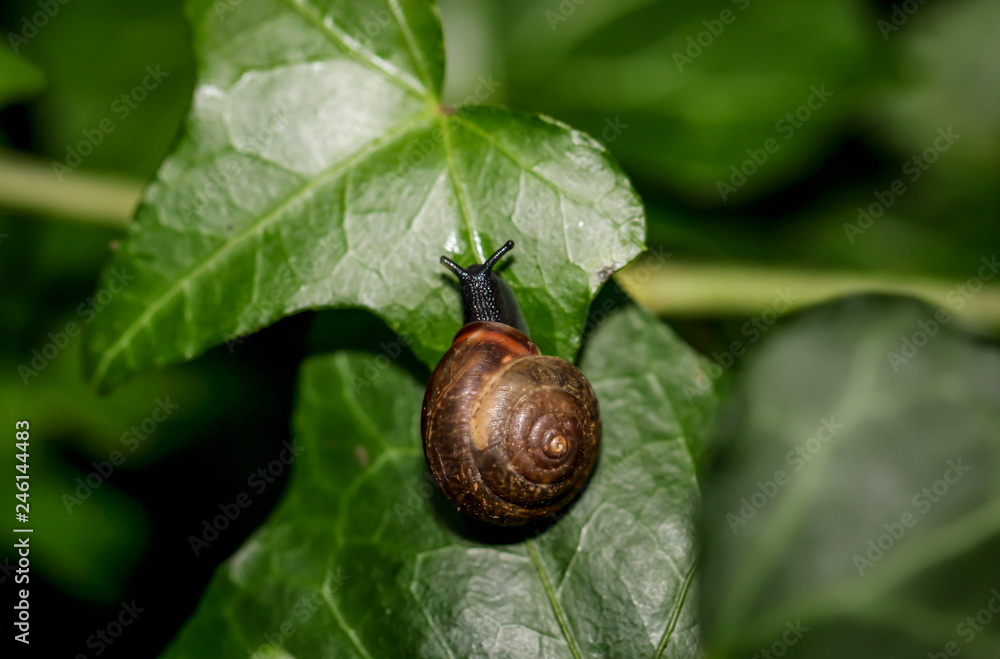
(31,186)
(710,290)
(674,289)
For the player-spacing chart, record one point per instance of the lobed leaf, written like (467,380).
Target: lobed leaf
(318,169)
(877,537)
(365,558)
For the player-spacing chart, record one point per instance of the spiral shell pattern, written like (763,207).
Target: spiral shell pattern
(510,435)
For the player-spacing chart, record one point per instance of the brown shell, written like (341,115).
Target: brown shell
(510,435)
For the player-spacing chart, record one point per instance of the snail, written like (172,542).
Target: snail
(510,435)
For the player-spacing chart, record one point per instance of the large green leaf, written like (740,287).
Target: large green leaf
(857,497)
(318,169)
(91,95)
(18,78)
(364,558)
(685,91)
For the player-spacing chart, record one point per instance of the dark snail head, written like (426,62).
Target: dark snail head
(484,295)
(510,435)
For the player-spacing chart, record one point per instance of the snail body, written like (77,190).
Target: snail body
(510,435)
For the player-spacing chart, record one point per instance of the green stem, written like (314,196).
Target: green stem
(31,186)
(674,289)
(710,290)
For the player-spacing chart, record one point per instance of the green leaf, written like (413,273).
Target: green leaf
(318,170)
(880,533)
(18,77)
(680,91)
(364,557)
(103,97)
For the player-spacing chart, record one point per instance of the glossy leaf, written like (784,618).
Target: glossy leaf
(366,559)
(318,169)
(684,92)
(18,77)
(855,511)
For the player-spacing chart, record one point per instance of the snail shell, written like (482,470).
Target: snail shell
(510,435)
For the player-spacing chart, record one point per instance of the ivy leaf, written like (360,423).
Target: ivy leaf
(364,558)
(879,534)
(18,77)
(318,169)
(687,93)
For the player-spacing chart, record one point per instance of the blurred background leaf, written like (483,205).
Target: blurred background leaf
(682,90)
(855,489)
(91,54)
(18,78)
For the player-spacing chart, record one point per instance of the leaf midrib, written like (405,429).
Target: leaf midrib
(463,203)
(346,44)
(678,607)
(550,592)
(368,150)
(937,547)
(801,493)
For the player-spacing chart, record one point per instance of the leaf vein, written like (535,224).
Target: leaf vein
(678,606)
(350,47)
(411,45)
(158,303)
(339,617)
(557,609)
(463,202)
(562,192)
(420,602)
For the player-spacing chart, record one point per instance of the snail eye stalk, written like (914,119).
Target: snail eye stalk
(492,261)
(454,267)
(486,266)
